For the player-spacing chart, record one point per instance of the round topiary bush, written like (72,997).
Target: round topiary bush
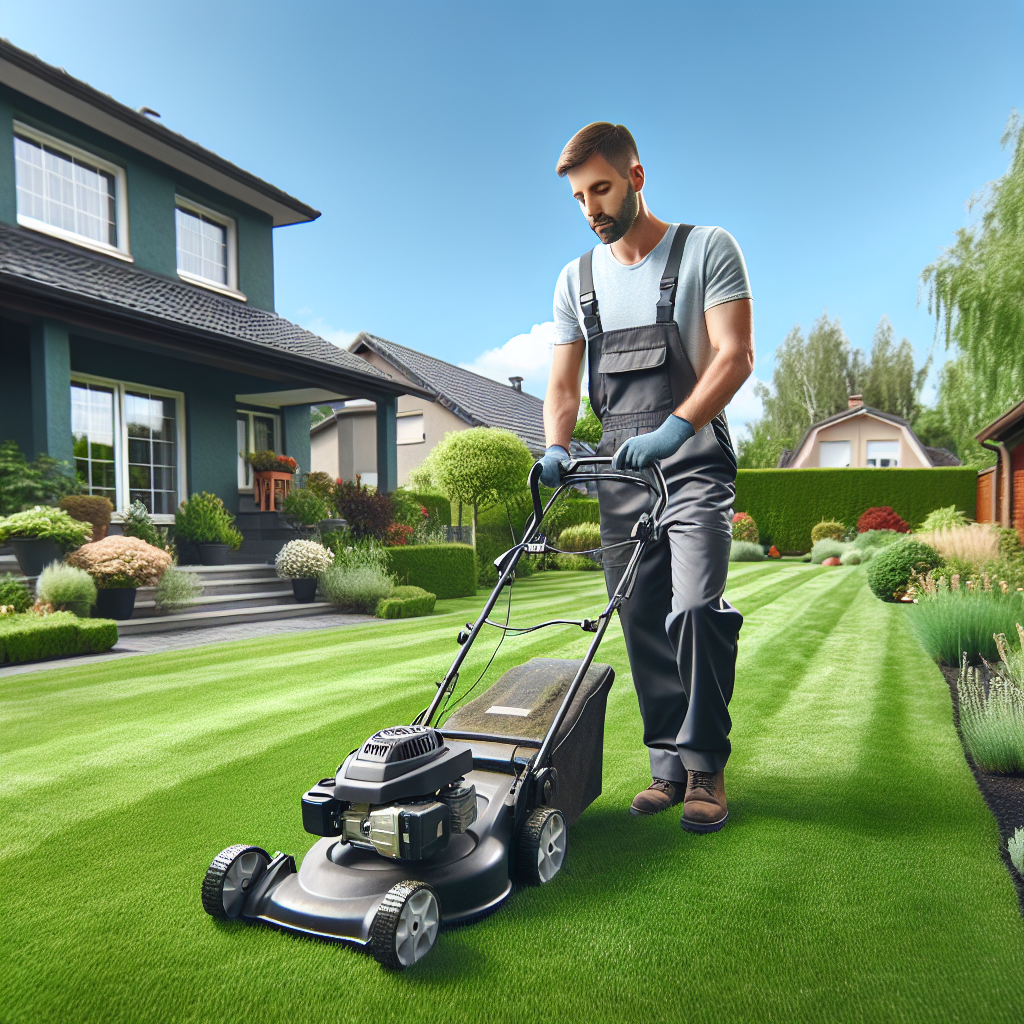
(828,529)
(744,528)
(882,518)
(891,569)
(746,551)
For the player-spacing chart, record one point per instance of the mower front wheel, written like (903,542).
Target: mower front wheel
(230,878)
(542,846)
(405,927)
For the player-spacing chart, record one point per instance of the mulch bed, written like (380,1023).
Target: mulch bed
(1004,794)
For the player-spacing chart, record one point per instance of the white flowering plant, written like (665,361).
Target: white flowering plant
(302,560)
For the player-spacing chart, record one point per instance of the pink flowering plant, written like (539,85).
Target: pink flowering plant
(121,562)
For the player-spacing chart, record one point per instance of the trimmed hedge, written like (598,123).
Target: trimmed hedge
(30,637)
(447,570)
(406,603)
(439,508)
(788,503)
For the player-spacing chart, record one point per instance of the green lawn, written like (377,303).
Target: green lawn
(858,878)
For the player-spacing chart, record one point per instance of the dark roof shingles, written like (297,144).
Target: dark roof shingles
(64,269)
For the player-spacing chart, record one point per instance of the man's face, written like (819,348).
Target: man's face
(607,199)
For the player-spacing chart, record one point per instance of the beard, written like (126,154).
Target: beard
(611,229)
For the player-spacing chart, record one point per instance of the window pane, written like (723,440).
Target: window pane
(242,439)
(410,429)
(263,433)
(884,454)
(92,436)
(65,192)
(152,450)
(202,246)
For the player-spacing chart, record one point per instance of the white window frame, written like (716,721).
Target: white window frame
(871,461)
(121,439)
(121,251)
(822,449)
(244,470)
(231,231)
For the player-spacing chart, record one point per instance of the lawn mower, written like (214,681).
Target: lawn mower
(428,824)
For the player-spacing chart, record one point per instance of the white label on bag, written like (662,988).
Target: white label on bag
(497,709)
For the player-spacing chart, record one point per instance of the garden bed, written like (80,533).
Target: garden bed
(1003,793)
(31,637)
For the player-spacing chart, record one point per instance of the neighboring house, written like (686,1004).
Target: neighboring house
(343,444)
(863,437)
(138,338)
(1001,487)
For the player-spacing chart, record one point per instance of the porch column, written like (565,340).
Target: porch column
(387,443)
(51,391)
(295,427)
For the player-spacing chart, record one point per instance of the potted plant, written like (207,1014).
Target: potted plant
(204,520)
(89,508)
(302,562)
(118,566)
(137,522)
(271,478)
(40,535)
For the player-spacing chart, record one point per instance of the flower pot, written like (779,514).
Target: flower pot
(114,603)
(35,553)
(304,590)
(213,554)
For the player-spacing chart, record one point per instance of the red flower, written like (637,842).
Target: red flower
(287,463)
(424,511)
(740,515)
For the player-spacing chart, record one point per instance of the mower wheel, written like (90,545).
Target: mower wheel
(404,929)
(230,878)
(542,845)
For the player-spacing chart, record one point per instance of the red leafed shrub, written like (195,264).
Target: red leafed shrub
(773,552)
(744,528)
(398,534)
(882,518)
(368,513)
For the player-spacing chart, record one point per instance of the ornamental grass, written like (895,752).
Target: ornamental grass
(67,589)
(121,562)
(977,543)
(953,624)
(992,714)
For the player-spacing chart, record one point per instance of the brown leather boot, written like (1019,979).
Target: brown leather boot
(704,807)
(660,795)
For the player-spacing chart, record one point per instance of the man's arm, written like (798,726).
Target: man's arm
(731,332)
(562,402)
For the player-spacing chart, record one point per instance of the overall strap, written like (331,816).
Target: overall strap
(588,297)
(667,296)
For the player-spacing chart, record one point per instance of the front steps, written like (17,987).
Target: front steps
(231,594)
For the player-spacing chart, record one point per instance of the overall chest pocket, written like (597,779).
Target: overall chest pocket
(634,371)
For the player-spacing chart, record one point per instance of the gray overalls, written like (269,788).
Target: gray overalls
(681,635)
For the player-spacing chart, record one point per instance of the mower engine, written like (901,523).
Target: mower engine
(402,794)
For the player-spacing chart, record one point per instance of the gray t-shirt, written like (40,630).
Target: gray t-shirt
(712,271)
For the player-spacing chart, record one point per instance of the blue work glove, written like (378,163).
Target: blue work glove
(554,463)
(639,452)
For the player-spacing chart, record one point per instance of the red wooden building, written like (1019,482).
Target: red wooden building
(1001,487)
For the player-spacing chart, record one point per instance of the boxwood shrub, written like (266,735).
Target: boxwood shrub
(439,508)
(30,637)
(890,570)
(447,570)
(406,603)
(787,503)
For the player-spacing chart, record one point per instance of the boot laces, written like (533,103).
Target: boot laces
(662,786)
(703,780)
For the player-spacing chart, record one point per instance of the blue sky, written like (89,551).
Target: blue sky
(838,142)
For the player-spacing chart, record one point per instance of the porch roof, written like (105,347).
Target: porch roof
(51,278)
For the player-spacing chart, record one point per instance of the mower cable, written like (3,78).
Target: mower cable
(587,625)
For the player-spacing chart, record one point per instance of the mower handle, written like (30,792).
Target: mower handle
(571,476)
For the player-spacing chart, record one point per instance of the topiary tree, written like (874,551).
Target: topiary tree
(829,529)
(891,570)
(481,467)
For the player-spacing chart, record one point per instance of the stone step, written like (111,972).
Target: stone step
(236,570)
(223,588)
(201,619)
(146,606)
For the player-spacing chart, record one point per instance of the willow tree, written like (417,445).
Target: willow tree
(976,293)
(481,467)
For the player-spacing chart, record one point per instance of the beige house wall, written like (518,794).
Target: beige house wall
(858,431)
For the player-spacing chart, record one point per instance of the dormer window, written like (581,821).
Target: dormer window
(66,192)
(206,243)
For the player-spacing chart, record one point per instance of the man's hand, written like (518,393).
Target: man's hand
(554,463)
(639,452)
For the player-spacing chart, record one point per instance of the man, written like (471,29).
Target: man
(663,314)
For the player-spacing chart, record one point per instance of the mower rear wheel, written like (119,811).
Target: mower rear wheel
(405,927)
(230,878)
(542,846)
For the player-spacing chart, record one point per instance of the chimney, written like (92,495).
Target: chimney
(517,383)
(855,401)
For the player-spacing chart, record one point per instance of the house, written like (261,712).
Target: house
(1001,487)
(343,444)
(863,437)
(138,337)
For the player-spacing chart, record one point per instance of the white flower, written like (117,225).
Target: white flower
(302,559)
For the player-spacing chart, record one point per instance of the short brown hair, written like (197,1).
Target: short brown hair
(612,141)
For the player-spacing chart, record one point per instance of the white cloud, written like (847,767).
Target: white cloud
(526,355)
(335,335)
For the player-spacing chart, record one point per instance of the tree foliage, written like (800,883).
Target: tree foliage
(976,293)
(24,484)
(814,377)
(588,427)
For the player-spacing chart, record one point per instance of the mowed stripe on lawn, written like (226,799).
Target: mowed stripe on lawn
(857,880)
